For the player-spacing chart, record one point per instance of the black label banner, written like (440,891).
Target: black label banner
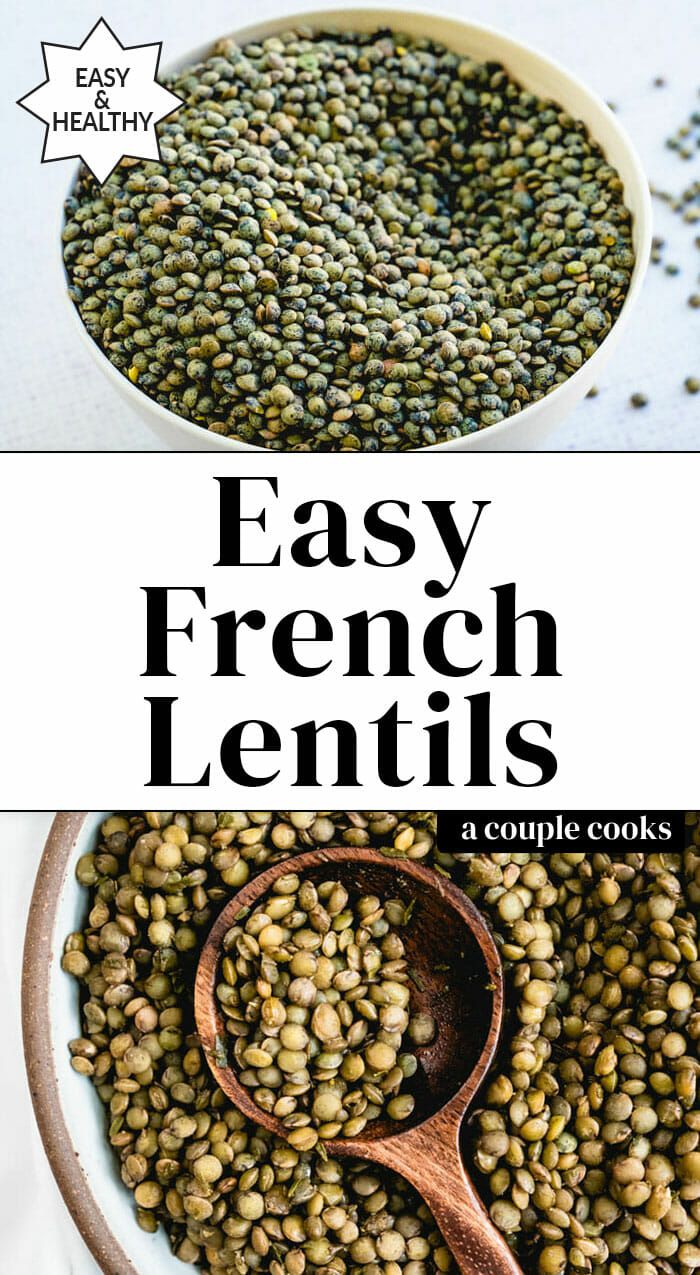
(460,830)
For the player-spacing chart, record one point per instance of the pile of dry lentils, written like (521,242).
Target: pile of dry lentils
(586,1147)
(354,242)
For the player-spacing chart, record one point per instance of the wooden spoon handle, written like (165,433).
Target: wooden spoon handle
(433,1165)
(477,1247)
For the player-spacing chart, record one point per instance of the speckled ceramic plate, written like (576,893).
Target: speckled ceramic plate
(69,1114)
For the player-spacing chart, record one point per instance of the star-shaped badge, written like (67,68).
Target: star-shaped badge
(100,101)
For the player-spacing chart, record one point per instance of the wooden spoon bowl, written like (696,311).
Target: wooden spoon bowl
(457,978)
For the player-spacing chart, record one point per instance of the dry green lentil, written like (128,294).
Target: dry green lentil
(353,242)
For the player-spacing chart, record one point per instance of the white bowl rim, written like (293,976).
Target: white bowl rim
(389,17)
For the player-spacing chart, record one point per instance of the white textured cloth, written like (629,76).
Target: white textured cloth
(54,396)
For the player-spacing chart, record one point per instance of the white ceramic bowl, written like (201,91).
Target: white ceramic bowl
(542,76)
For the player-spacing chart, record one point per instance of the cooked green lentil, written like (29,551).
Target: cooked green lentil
(314,988)
(589,1136)
(353,242)
(587,1146)
(231,1197)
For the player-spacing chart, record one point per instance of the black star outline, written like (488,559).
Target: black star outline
(51,44)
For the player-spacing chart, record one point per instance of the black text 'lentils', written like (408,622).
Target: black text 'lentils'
(353,243)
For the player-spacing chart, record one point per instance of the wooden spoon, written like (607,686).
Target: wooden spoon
(459,980)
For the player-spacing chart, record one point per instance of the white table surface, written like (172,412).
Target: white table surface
(54,397)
